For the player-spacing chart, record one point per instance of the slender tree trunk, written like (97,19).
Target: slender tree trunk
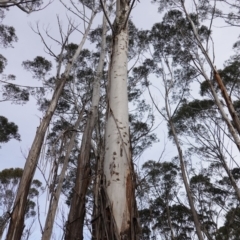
(74,226)
(186,184)
(17,217)
(218,79)
(118,210)
(180,155)
(97,231)
(47,232)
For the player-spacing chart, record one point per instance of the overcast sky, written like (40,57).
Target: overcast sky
(29,45)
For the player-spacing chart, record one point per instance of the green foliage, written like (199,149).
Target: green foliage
(3,63)
(172,37)
(191,111)
(11,175)
(15,94)
(39,67)
(9,181)
(159,185)
(32,5)
(7,36)
(230,229)
(231,73)
(230,76)
(8,130)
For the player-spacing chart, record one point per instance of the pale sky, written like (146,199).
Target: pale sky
(29,46)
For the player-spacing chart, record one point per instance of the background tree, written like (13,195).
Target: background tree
(17,220)
(10,179)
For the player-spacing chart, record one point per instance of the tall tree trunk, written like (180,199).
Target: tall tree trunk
(74,226)
(118,210)
(47,232)
(228,101)
(17,217)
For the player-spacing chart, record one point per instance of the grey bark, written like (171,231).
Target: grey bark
(74,225)
(185,181)
(17,217)
(168,118)
(220,84)
(47,232)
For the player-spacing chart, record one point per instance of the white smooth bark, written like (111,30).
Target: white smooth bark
(117,167)
(117,150)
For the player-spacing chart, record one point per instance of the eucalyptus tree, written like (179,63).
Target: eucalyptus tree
(157,188)
(141,138)
(10,179)
(217,78)
(200,55)
(118,204)
(171,57)
(17,219)
(75,223)
(230,229)
(200,37)
(70,118)
(199,120)
(9,91)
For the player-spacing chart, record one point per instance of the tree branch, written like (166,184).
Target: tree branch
(105,13)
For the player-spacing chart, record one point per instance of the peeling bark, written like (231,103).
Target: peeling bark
(228,101)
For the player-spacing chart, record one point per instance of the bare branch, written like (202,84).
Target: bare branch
(130,10)
(105,13)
